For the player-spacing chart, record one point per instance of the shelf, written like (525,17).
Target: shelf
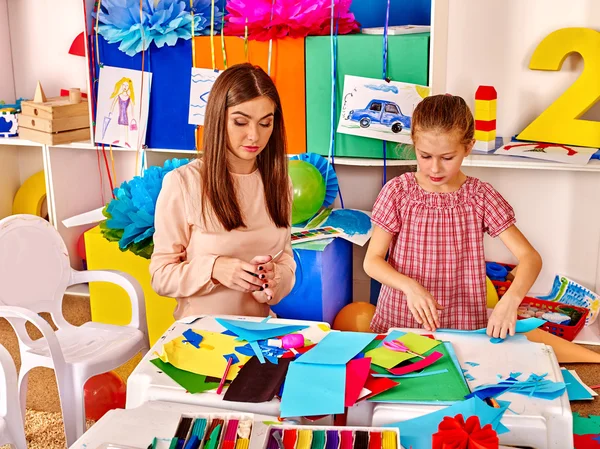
(365,162)
(491,160)
(17,141)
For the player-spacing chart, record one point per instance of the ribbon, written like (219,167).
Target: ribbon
(270,40)
(223,37)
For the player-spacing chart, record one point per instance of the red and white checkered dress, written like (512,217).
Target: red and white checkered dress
(438,241)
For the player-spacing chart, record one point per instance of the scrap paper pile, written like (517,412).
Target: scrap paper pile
(586,431)
(576,389)
(201,360)
(536,386)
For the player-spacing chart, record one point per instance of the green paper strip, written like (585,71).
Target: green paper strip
(193,383)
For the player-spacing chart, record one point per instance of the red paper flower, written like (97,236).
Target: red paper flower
(294,18)
(455,433)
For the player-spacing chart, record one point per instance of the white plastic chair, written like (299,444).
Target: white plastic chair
(11,422)
(34,274)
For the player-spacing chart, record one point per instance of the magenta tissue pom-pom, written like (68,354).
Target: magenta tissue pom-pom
(294,18)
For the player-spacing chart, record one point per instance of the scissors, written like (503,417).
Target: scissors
(398,346)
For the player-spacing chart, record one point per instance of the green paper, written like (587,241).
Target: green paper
(192,382)
(408,61)
(388,358)
(447,387)
(586,426)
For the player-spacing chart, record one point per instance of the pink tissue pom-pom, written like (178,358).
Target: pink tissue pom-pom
(294,18)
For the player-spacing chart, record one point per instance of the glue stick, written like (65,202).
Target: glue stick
(288,341)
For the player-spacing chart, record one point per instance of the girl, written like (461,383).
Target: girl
(124,99)
(433,223)
(220,219)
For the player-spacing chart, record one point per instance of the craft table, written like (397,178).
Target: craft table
(147,383)
(536,423)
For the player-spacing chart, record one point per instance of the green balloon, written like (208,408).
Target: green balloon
(309,190)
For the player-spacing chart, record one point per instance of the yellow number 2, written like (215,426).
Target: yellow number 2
(561,123)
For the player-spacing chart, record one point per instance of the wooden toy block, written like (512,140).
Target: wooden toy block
(482,145)
(485,125)
(485,135)
(486,93)
(55,120)
(485,109)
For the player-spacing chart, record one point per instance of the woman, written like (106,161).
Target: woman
(220,219)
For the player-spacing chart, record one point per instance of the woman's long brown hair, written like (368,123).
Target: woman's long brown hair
(239,84)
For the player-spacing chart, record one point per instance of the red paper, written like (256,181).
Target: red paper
(586,442)
(455,433)
(378,385)
(357,372)
(422,363)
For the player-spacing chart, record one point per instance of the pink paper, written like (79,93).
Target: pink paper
(357,372)
(423,363)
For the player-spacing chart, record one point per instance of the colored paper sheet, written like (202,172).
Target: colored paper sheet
(586,426)
(447,388)
(312,389)
(418,365)
(575,390)
(522,326)
(417,433)
(257,382)
(357,372)
(388,358)
(209,359)
(337,348)
(375,386)
(586,441)
(254,331)
(193,383)
(535,386)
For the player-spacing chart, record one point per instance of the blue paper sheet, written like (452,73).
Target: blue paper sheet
(521,327)
(254,331)
(575,390)
(417,432)
(313,389)
(535,386)
(337,348)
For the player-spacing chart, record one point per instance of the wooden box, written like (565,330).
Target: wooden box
(55,120)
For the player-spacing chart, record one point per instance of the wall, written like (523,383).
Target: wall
(491,42)
(7,82)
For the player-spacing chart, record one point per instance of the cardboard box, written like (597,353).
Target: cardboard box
(109,303)
(360,55)
(287,70)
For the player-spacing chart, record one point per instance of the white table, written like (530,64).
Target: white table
(539,423)
(147,383)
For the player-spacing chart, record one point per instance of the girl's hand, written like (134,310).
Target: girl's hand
(236,274)
(423,307)
(504,318)
(266,270)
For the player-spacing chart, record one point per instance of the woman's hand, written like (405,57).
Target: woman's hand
(237,275)
(503,320)
(422,306)
(266,270)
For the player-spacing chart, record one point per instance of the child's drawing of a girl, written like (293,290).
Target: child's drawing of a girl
(124,96)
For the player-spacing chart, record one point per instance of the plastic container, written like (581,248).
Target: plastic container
(568,332)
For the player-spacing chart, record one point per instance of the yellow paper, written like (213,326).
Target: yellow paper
(208,360)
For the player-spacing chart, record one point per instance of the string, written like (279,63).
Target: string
(212,34)
(385,56)
(246,40)
(223,37)
(112,188)
(112,161)
(270,40)
(100,173)
(139,139)
(194,63)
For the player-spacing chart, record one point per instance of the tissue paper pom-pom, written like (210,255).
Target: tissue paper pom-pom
(130,216)
(294,18)
(455,432)
(202,16)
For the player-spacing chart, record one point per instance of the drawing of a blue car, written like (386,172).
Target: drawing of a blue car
(381,112)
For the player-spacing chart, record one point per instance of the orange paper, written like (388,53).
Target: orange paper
(287,71)
(566,351)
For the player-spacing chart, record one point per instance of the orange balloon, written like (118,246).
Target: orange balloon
(355,317)
(102,393)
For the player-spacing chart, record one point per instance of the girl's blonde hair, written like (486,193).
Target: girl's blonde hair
(118,88)
(444,114)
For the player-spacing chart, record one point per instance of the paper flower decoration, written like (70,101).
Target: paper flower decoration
(455,433)
(294,18)
(202,16)
(162,22)
(130,216)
